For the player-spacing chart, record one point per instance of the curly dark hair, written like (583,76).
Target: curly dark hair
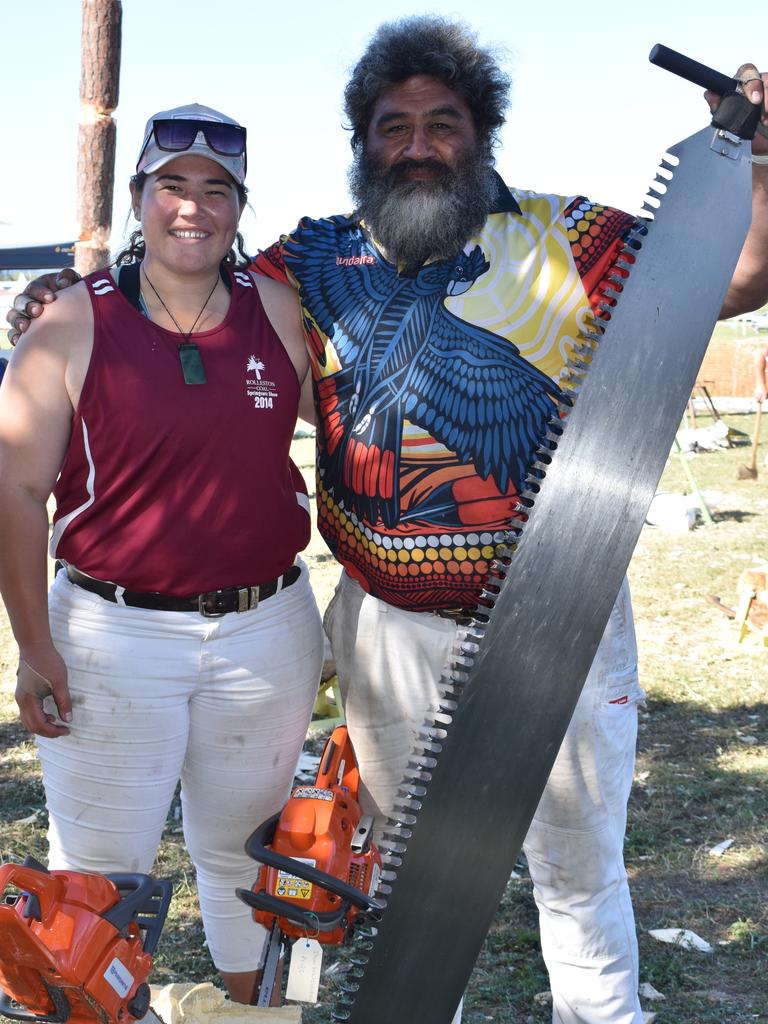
(133,252)
(429,45)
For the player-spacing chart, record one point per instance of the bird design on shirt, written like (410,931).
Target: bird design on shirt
(404,356)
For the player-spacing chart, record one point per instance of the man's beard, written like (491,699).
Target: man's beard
(417,221)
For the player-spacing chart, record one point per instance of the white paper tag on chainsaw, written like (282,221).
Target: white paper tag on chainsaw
(304,972)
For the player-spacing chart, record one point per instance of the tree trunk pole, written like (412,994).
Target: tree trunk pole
(99,86)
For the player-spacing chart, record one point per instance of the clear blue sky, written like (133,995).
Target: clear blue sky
(589,113)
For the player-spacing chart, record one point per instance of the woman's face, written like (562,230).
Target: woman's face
(189,211)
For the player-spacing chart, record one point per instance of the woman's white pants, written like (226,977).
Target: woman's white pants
(221,703)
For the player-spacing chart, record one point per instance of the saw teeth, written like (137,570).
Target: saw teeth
(407,804)
(422,764)
(391,859)
(441,718)
(399,832)
(595,334)
(428,732)
(472,641)
(432,748)
(453,691)
(410,791)
(459,676)
(406,819)
(341,1014)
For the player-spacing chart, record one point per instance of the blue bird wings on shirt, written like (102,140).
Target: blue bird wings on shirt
(404,356)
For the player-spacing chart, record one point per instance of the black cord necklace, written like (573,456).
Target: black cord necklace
(189,354)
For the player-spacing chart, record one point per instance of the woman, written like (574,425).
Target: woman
(181,638)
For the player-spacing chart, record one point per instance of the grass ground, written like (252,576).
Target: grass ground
(702,777)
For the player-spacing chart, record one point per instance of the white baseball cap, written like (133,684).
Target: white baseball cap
(164,142)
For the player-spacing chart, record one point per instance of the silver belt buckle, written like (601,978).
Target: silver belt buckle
(204,607)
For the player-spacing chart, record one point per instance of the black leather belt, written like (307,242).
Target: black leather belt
(212,604)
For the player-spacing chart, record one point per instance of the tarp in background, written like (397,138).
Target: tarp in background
(38,257)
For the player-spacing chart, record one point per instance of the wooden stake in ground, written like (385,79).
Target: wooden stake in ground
(750,472)
(99,85)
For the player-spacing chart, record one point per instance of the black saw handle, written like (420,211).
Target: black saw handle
(670,60)
(735,114)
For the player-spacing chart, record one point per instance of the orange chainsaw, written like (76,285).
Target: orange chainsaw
(77,947)
(321,869)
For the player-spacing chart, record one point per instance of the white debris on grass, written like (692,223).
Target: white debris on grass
(306,769)
(28,820)
(706,439)
(671,512)
(720,848)
(543,998)
(682,937)
(750,741)
(647,991)
(649,1018)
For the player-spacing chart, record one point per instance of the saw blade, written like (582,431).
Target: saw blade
(551,610)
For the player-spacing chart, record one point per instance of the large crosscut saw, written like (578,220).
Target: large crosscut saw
(495,753)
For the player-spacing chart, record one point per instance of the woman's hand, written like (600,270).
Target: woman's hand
(42,674)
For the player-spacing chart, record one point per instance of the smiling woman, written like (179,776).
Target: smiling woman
(157,401)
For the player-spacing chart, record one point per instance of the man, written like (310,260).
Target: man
(441,319)
(761,376)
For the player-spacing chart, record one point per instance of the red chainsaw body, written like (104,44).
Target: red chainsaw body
(318,826)
(55,942)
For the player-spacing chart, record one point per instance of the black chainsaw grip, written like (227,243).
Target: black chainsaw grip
(691,70)
(143,899)
(256,847)
(325,922)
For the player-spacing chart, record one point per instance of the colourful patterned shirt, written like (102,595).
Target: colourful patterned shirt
(433,390)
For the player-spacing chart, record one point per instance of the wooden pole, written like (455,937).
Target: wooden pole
(99,86)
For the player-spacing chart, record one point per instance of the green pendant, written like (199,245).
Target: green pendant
(191,363)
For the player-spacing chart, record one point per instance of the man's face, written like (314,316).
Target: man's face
(418,124)
(422,182)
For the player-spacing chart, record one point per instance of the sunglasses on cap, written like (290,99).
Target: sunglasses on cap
(175,136)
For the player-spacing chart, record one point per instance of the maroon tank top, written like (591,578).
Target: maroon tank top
(182,488)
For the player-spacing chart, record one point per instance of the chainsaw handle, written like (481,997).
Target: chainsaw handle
(143,899)
(34,881)
(256,847)
(310,921)
(692,71)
